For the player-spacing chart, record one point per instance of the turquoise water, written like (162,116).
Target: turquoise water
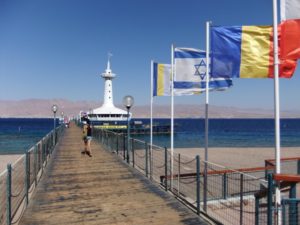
(18,135)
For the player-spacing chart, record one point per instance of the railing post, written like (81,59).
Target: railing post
(132,150)
(241,198)
(270,199)
(256,211)
(266,170)
(128,150)
(283,203)
(124,146)
(146,158)
(298,167)
(166,168)
(178,176)
(27,175)
(150,161)
(106,139)
(117,145)
(35,164)
(40,149)
(293,208)
(198,184)
(224,186)
(205,187)
(8,195)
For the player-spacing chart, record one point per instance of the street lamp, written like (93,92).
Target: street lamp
(128,103)
(54,110)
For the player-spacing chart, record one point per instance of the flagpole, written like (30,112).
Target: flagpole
(206,112)
(277,112)
(172,114)
(151,107)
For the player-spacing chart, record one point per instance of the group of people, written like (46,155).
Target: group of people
(87,137)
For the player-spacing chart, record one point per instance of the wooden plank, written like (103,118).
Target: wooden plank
(77,189)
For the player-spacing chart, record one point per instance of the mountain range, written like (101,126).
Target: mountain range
(40,108)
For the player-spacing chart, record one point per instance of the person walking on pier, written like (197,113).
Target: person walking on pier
(87,137)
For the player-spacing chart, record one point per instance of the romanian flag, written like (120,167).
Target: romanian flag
(245,52)
(161,79)
(290,29)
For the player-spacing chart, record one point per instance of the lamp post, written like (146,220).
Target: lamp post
(128,103)
(54,110)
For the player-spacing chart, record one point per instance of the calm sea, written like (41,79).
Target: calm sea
(18,135)
(228,133)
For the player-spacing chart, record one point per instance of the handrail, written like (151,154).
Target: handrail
(287,177)
(47,145)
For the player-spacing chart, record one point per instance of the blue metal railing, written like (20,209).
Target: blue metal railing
(19,179)
(229,193)
(291,211)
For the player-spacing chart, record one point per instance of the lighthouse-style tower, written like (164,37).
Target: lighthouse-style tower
(108,116)
(108,91)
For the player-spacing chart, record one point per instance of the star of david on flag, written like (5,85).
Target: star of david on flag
(190,73)
(200,69)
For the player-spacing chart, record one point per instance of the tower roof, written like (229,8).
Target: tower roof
(108,72)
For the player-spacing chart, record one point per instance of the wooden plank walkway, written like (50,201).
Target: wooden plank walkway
(77,189)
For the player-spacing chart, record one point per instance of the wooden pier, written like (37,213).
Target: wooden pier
(77,189)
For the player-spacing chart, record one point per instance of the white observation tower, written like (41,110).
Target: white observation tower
(108,91)
(108,115)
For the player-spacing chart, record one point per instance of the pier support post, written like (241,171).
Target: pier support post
(8,195)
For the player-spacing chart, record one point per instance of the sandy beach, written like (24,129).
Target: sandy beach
(239,157)
(229,157)
(5,159)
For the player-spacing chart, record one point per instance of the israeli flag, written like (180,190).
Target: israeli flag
(190,73)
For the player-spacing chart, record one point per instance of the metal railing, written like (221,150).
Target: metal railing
(291,211)
(224,194)
(17,182)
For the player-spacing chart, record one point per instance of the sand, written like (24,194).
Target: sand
(228,157)
(5,159)
(240,157)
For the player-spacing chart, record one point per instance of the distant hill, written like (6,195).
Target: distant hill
(42,108)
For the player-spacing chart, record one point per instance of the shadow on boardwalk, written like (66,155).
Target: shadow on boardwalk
(77,189)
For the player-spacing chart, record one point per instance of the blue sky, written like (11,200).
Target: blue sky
(58,48)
